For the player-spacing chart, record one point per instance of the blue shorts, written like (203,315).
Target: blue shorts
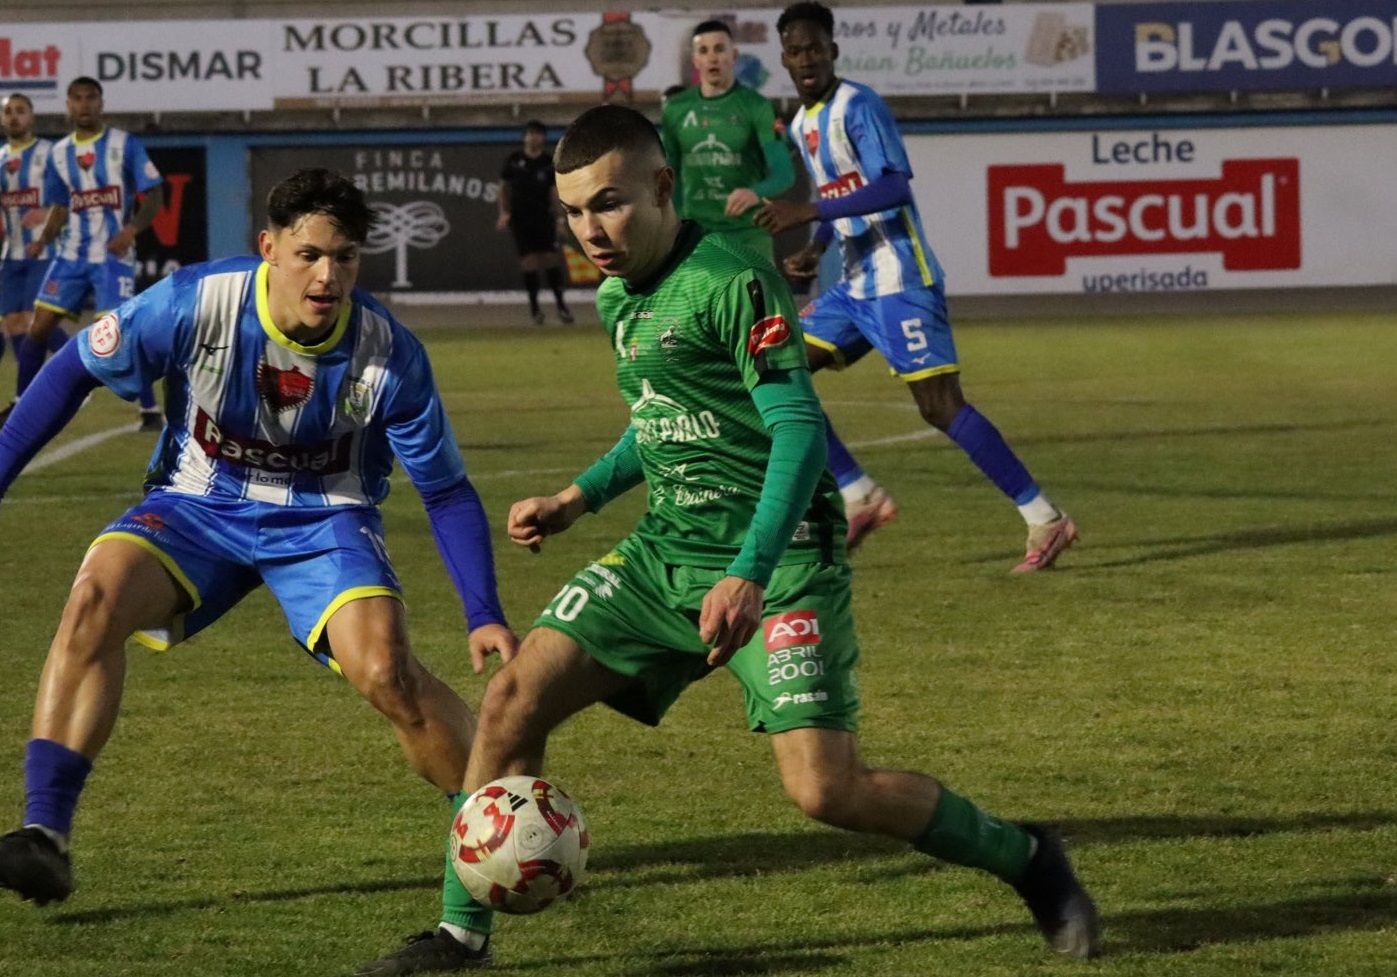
(314,561)
(68,282)
(909,328)
(19,283)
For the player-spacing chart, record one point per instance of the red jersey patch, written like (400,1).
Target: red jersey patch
(768,333)
(791,628)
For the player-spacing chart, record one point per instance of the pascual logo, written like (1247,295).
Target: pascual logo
(1037,219)
(28,197)
(99,197)
(1268,45)
(29,69)
(321,458)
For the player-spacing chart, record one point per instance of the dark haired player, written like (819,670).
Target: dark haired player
(892,297)
(722,141)
(738,563)
(290,393)
(23,159)
(93,177)
(526,202)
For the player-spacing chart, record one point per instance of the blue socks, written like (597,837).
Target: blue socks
(842,464)
(31,360)
(986,447)
(53,778)
(147,398)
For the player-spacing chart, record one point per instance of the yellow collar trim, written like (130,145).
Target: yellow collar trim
(80,141)
(22,146)
(264,316)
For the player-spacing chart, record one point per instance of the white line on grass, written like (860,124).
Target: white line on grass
(75,447)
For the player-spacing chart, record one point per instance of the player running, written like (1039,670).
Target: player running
(289,396)
(22,161)
(527,211)
(739,561)
(721,139)
(892,297)
(93,178)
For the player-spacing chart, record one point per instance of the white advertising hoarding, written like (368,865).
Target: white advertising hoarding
(1159,210)
(259,65)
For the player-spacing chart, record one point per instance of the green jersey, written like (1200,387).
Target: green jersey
(717,145)
(690,344)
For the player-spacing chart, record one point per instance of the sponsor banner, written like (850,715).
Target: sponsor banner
(179,235)
(1157,210)
(1266,44)
(259,65)
(436,207)
(923,50)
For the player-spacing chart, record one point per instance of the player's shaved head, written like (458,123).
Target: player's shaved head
(602,130)
(320,191)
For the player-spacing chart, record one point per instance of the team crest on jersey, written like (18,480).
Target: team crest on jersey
(12,164)
(669,339)
(104,336)
(812,140)
(87,159)
(768,333)
(358,398)
(283,390)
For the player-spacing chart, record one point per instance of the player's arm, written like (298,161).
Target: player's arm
(45,409)
(502,221)
(611,475)
(421,437)
(151,203)
(757,316)
(58,216)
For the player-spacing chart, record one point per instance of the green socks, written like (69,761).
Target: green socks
(457,906)
(961,833)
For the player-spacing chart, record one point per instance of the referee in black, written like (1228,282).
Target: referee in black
(528,209)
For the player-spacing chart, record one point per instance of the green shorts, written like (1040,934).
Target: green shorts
(638,616)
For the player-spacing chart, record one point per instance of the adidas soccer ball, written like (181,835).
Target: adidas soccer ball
(518,844)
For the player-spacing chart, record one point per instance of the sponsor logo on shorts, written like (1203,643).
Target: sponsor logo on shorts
(791,628)
(147,519)
(768,333)
(793,664)
(104,335)
(108,196)
(798,699)
(321,458)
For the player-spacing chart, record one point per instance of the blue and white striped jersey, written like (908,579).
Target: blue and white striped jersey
(21,191)
(97,179)
(847,142)
(251,414)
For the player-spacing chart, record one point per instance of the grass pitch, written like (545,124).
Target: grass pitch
(1202,696)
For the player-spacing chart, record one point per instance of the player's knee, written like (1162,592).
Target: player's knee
(90,614)
(390,679)
(507,708)
(939,409)
(821,799)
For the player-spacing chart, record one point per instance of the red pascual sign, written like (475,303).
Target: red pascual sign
(1037,219)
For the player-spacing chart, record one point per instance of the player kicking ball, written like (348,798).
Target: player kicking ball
(290,393)
(739,562)
(892,297)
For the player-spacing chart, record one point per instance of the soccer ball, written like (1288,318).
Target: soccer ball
(518,844)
